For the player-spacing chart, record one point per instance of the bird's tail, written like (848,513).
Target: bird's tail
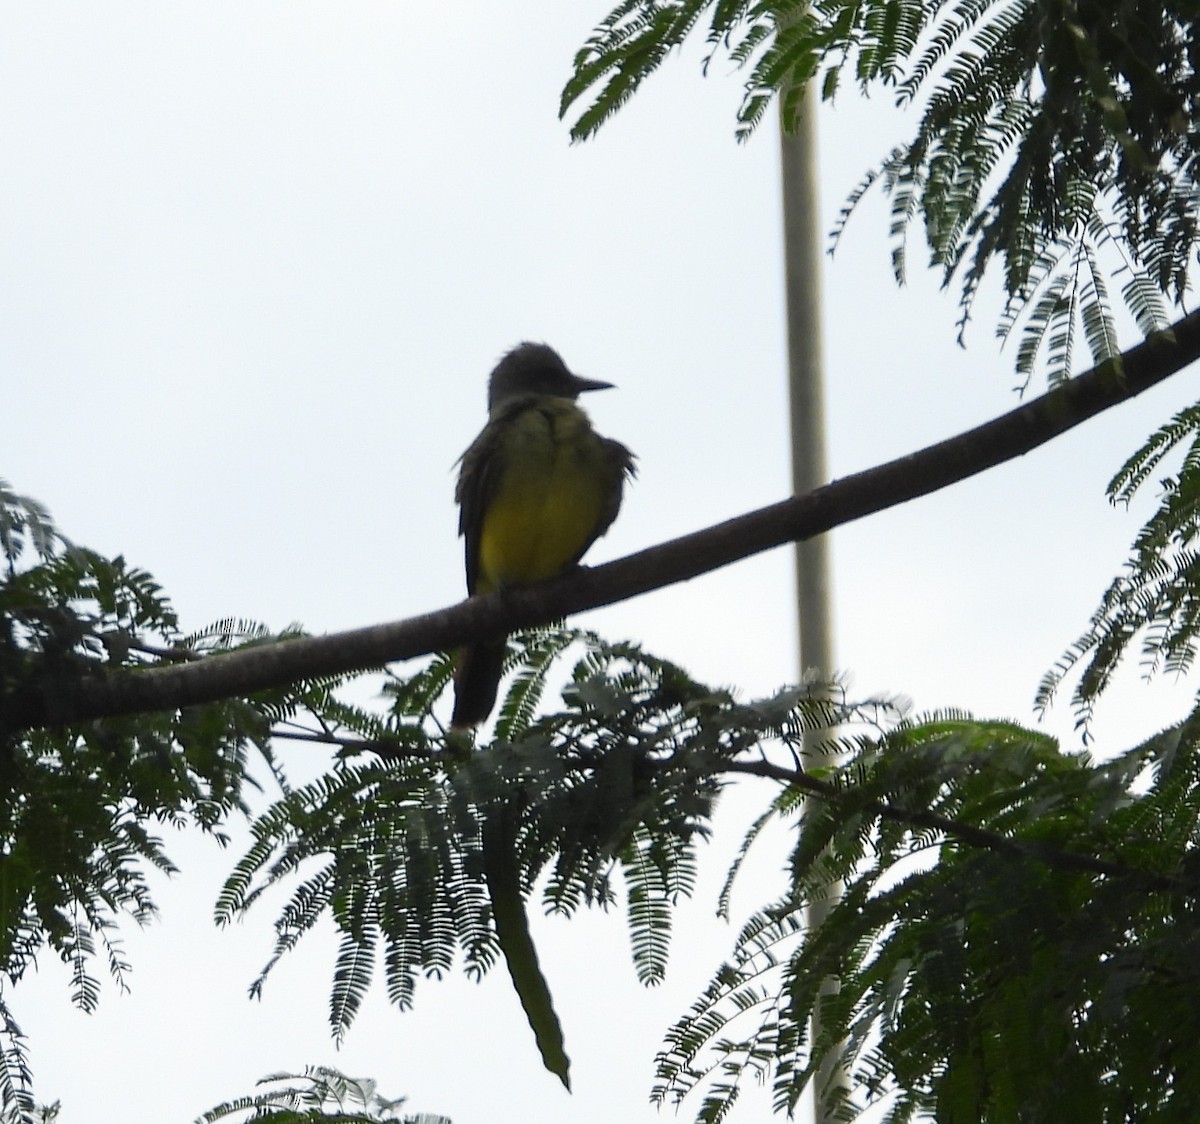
(477,681)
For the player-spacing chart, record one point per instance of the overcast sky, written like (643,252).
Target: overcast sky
(257,261)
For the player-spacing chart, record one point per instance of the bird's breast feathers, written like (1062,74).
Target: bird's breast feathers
(553,496)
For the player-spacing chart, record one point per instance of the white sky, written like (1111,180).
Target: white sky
(256,260)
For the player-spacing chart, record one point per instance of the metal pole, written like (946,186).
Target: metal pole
(802,239)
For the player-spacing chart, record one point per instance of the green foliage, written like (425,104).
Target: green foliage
(502,876)
(1072,297)
(1016,939)
(319,1093)
(423,852)
(43,1114)
(1155,597)
(26,529)
(82,806)
(1047,130)
(1004,903)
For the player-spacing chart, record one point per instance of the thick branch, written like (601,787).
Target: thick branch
(274,665)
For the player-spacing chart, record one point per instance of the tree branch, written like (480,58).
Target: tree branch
(274,665)
(968,833)
(919,818)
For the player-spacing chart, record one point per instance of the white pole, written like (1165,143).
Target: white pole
(802,237)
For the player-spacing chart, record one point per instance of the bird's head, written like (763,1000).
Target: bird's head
(535,368)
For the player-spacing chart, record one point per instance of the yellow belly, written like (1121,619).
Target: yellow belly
(546,507)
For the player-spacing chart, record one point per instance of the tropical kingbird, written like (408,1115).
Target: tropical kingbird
(538,486)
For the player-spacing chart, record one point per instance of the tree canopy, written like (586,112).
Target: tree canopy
(1018,937)
(1055,140)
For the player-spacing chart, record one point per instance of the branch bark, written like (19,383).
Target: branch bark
(274,665)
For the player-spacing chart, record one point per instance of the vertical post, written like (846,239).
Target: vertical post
(802,267)
(802,238)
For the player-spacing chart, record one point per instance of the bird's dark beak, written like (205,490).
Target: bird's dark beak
(581,384)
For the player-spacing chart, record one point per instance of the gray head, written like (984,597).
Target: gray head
(535,368)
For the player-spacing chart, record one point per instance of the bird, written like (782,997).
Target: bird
(535,489)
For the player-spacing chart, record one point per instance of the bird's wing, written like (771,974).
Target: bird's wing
(622,466)
(482,466)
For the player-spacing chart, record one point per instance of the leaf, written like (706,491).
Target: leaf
(516,942)
(1036,127)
